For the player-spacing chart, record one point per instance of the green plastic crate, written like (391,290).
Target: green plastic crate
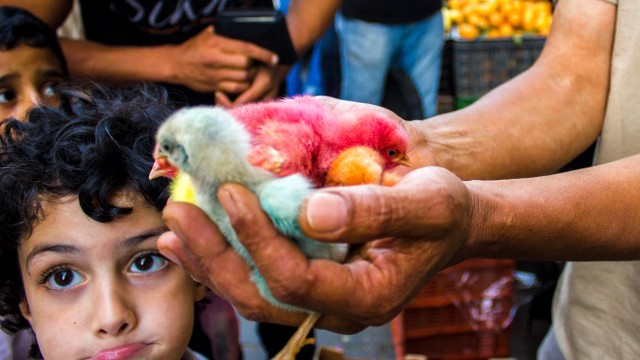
(483,64)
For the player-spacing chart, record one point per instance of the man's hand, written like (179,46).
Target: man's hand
(402,235)
(265,86)
(209,62)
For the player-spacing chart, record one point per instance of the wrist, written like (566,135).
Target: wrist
(486,219)
(421,154)
(165,70)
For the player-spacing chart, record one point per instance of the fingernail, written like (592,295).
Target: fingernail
(275,60)
(326,212)
(228,202)
(169,255)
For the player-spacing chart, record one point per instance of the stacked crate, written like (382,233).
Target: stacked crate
(481,65)
(464,312)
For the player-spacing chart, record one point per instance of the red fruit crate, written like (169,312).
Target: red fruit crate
(464,312)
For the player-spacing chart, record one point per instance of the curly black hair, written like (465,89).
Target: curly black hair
(99,143)
(20,27)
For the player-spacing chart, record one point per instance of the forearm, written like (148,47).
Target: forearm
(118,64)
(540,120)
(308,20)
(588,214)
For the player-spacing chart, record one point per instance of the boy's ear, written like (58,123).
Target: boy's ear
(24,309)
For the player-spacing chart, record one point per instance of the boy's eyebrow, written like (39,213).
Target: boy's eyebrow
(8,77)
(60,248)
(51,73)
(57,248)
(135,240)
(46,74)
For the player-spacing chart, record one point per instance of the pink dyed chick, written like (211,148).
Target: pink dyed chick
(302,135)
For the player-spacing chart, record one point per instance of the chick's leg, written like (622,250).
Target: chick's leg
(299,339)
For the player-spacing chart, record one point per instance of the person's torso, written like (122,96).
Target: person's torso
(149,22)
(597,304)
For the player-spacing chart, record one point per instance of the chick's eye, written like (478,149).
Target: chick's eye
(392,153)
(63,279)
(146,263)
(166,147)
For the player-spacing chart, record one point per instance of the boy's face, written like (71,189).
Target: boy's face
(102,290)
(28,76)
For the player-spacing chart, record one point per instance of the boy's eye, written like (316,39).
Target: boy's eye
(49,89)
(7,96)
(63,279)
(149,263)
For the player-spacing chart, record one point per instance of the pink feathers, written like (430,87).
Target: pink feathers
(303,135)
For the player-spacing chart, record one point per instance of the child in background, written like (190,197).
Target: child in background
(31,63)
(31,67)
(78,258)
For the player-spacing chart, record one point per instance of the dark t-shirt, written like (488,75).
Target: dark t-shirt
(390,11)
(154,22)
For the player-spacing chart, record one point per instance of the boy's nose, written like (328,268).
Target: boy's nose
(114,313)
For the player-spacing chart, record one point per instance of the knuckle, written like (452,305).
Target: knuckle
(251,310)
(252,315)
(292,292)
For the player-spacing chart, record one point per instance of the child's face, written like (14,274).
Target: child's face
(28,76)
(101,290)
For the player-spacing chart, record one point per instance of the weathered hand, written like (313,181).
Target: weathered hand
(420,225)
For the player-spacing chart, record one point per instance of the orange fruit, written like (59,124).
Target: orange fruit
(543,7)
(493,33)
(467,8)
(453,4)
(486,8)
(506,8)
(455,16)
(479,21)
(546,27)
(468,31)
(506,29)
(515,19)
(495,19)
(540,22)
(518,6)
(529,18)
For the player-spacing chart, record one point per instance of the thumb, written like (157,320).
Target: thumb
(427,202)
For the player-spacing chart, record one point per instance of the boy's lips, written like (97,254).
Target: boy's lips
(121,352)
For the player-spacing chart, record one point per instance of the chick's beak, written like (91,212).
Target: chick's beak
(402,160)
(162,167)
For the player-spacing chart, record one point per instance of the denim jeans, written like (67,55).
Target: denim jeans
(369,50)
